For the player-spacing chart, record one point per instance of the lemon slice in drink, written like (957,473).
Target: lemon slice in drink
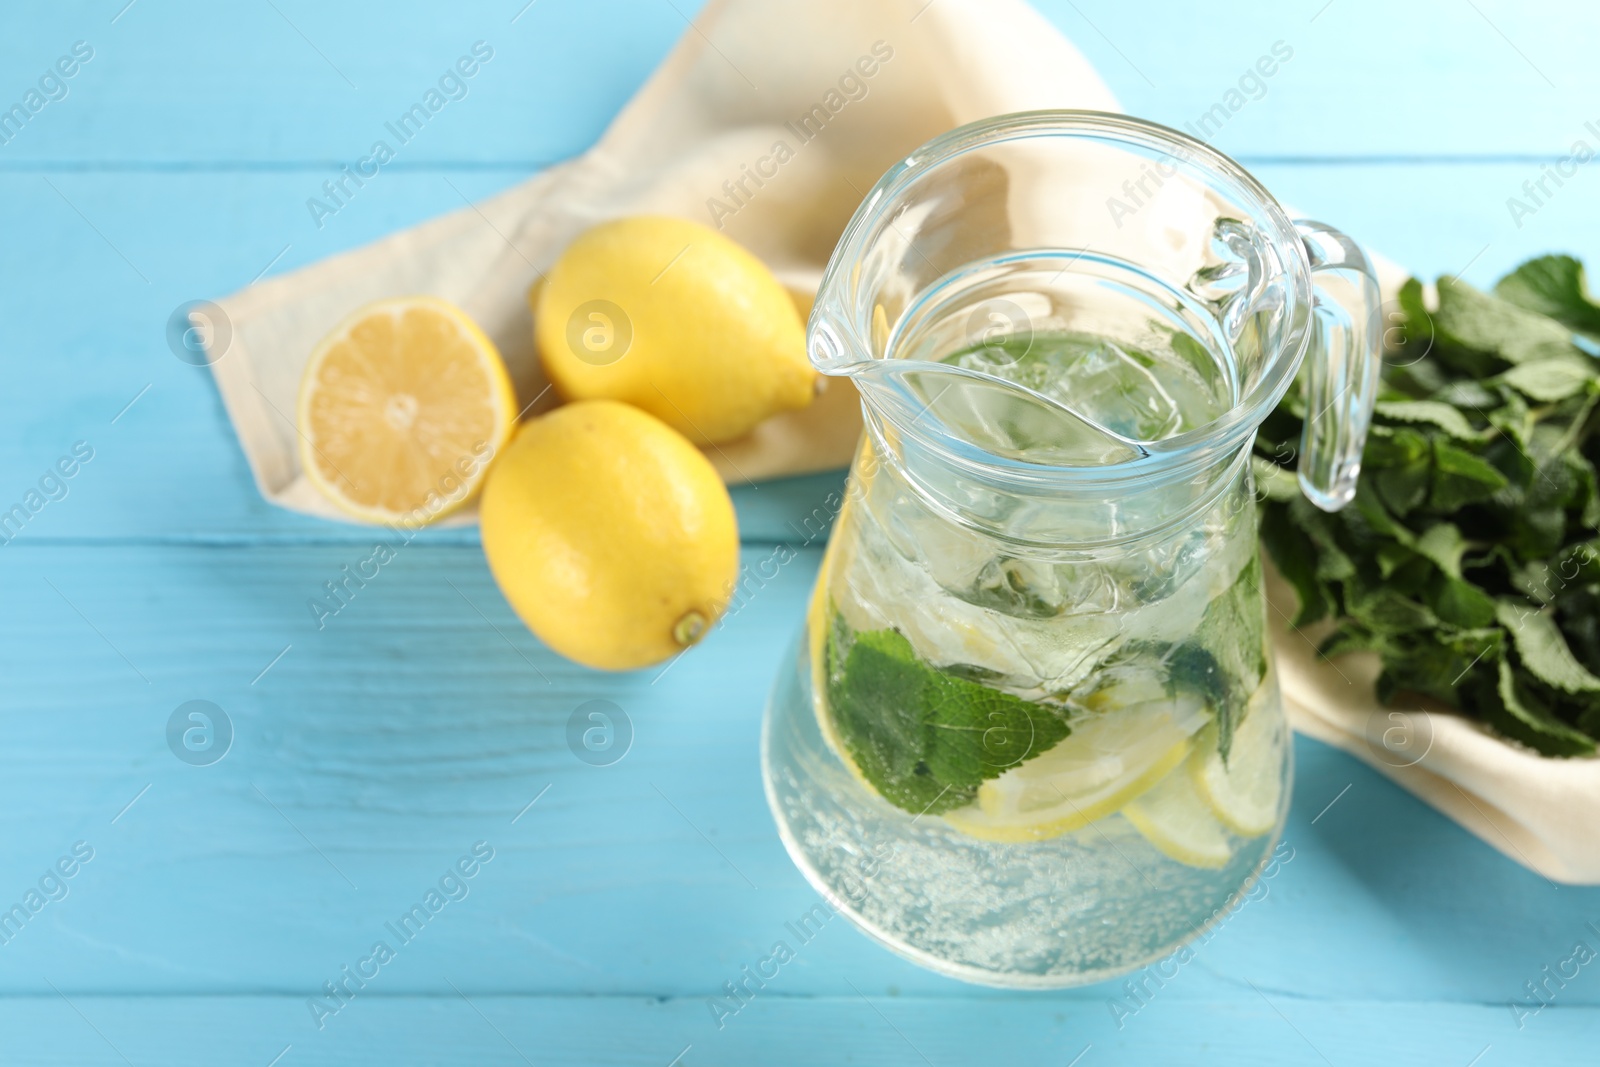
(1178,821)
(401,408)
(1108,759)
(817,623)
(818,620)
(1243,793)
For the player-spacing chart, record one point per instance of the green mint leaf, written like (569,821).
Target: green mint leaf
(1404,488)
(1226,659)
(1586,493)
(925,737)
(1553,286)
(1580,564)
(1578,613)
(1443,544)
(1273,481)
(1460,477)
(1537,532)
(1513,418)
(1375,520)
(884,732)
(1542,649)
(1333,563)
(1393,446)
(1534,580)
(1549,380)
(1410,339)
(1388,612)
(1350,638)
(1468,393)
(1462,604)
(1446,417)
(1392,557)
(1399,463)
(1443,663)
(1497,329)
(1295,557)
(977,733)
(1522,715)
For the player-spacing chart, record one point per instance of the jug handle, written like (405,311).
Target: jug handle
(1341,366)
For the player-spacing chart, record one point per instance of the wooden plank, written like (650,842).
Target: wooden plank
(1366,78)
(879,1028)
(168,467)
(422,718)
(196,84)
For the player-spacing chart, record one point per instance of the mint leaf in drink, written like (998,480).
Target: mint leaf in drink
(883,731)
(1469,561)
(1226,660)
(977,733)
(926,738)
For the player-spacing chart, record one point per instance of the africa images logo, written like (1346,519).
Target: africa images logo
(851,87)
(452,85)
(52,87)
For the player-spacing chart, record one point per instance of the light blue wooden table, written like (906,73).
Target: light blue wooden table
(371,755)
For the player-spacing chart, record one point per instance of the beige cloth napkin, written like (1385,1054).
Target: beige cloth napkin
(889,75)
(1543,813)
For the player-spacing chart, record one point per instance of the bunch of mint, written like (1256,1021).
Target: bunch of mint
(1469,560)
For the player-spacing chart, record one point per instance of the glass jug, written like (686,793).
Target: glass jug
(1031,735)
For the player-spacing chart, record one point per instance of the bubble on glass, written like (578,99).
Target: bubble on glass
(199,733)
(599,733)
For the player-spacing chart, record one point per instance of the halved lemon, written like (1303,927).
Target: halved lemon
(401,408)
(1177,820)
(1244,793)
(1109,759)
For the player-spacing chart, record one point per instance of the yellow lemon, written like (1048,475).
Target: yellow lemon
(401,408)
(610,534)
(672,317)
(1176,819)
(1245,792)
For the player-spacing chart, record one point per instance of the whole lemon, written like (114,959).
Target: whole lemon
(672,317)
(611,536)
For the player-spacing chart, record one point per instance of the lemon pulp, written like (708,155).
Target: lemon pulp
(401,408)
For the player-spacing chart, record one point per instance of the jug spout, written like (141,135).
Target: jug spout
(1003,327)
(1059,357)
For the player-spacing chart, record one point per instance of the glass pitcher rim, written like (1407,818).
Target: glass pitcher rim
(1179,455)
